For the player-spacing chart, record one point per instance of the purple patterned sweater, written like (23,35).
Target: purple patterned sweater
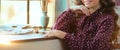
(86,32)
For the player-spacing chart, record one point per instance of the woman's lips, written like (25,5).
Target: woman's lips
(88,2)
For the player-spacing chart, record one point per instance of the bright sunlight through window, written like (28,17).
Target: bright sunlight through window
(15,12)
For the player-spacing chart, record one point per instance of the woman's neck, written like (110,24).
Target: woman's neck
(93,9)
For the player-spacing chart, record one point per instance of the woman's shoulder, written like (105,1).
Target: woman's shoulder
(68,10)
(68,13)
(108,16)
(103,15)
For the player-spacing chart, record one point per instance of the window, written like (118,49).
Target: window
(24,12)
(35,12)
(13,12)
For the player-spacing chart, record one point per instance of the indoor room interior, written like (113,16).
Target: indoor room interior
(23,22)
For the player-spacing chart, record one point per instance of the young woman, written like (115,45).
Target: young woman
(92,26)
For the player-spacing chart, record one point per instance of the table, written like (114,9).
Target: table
(31,42)
(23,41)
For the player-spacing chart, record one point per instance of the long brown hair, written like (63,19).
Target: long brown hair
(108,7)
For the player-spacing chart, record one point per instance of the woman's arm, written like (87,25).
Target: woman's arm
(63,25)
(64,21)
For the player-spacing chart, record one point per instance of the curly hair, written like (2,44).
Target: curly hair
(108,8)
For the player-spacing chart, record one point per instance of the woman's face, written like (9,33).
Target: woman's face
(91,3)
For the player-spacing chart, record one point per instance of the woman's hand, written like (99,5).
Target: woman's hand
(55,33)
(84,9)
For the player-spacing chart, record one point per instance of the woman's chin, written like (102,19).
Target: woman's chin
(88,6)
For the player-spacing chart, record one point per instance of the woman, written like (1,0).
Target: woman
(92,26)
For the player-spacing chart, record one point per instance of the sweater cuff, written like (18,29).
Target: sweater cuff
(69,37)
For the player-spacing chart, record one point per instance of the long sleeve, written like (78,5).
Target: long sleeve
(64,21)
